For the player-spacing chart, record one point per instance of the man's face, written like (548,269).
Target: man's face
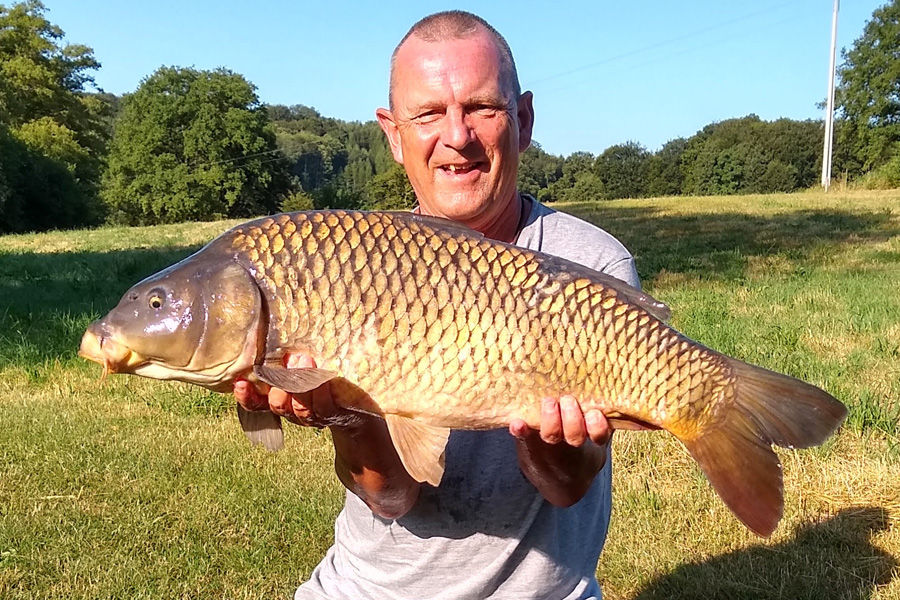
(455,127)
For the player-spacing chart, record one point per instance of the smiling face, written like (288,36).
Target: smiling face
(456,128)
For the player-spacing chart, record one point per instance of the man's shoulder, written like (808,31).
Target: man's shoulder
(564,235)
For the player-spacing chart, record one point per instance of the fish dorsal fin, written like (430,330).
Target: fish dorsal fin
(262,427)
(441,224)
(295,381)
(420,446)
(561,267)
(658,309)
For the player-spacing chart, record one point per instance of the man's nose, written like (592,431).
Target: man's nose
(455,131)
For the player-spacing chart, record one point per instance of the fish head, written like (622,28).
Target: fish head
(199,321)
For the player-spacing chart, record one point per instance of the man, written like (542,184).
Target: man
(516,516)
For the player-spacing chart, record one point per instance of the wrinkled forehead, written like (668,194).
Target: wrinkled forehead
(466,65)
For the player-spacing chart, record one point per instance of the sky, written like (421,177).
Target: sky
(602,72)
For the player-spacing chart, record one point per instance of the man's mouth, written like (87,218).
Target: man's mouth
(460,169)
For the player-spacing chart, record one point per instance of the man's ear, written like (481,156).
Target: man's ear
(391,131)
(525,115)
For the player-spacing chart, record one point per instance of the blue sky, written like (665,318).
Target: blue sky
(602,72)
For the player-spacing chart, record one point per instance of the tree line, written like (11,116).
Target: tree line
(190,144)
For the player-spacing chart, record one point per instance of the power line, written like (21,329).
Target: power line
(676,54)
(663,43)
(219,162)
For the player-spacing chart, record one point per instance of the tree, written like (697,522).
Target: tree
(868,97)
(623,169)
(664,173)
(749,155)
(333,160)
(538,171)
(193,145)
(52,132)
(390,190)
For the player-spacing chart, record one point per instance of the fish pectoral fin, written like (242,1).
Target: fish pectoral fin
(420,446)
(262,427)
(624,422)
(295,381)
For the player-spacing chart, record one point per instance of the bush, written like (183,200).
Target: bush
(885,177)
(298,201)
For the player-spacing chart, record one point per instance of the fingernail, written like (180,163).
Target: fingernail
(548,405)
(567,403)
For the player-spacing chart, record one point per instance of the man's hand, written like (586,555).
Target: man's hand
(313,409)
(365,459)
(562,459)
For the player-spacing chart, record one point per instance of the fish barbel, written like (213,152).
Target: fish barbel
(431,326)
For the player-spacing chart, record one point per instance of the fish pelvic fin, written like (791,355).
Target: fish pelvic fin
(295,381)
(262,427)
(736,454)
(421,447)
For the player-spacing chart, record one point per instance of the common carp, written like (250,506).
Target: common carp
(431,326)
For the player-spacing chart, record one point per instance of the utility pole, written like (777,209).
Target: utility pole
(829,109)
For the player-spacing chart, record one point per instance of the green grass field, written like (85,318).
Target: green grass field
(141,489)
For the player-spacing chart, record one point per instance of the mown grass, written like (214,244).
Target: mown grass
(132,488)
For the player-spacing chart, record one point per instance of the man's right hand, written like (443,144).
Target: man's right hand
(365,459)
(313,409)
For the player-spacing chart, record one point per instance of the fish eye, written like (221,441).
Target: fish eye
(156,299)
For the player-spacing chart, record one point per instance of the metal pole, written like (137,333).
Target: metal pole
(829,109)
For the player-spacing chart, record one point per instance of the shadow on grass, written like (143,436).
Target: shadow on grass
(828,560)
(49,299)
(719,245)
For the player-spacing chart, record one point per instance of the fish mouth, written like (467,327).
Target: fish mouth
(98,346)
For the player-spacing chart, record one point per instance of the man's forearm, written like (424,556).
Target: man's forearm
(369,466)
(561,473)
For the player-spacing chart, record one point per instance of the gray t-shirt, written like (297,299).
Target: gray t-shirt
(485,532)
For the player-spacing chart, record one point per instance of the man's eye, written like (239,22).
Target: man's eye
(484,110)
(427,117)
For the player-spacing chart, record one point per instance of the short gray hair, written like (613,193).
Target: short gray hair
(458,25)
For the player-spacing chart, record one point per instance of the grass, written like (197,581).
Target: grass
(143,489)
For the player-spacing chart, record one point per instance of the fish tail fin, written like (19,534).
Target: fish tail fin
(736,454)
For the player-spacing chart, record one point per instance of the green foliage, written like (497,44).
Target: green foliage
(331,159)
(623,170)
(885,177)
(664,173)
(868,96)
(298,201)
(538,172)
(587,188)
(748,155)
(193,145)
(52,133)
(390,190)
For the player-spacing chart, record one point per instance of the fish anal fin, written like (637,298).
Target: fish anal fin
(420,446)
(295,381)
(631,424)
(262,427)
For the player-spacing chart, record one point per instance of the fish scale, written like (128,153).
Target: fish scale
(431,326)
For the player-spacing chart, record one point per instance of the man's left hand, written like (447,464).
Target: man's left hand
(564,456)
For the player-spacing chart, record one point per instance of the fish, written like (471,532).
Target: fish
(432,326)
